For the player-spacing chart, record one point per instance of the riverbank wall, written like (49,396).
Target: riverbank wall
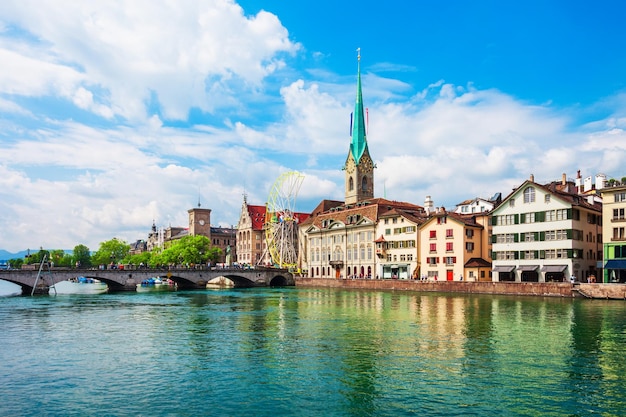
(544,289)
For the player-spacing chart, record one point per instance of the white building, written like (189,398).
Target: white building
(546,233)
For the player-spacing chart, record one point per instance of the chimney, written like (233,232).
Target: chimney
(564,179)
(532,178)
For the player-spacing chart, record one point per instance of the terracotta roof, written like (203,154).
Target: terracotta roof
(477,263)
(370,209)
(257,214)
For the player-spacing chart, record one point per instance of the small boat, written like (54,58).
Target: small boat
(156,284)
(80,285)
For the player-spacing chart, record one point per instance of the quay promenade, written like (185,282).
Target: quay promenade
(544,289)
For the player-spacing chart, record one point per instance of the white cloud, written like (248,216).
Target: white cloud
(189,53)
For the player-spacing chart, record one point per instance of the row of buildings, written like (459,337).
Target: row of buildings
(538,233)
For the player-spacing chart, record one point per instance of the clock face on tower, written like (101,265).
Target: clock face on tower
(350,166)
(367,163)
(201,221)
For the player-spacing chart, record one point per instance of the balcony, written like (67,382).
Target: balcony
(336,264)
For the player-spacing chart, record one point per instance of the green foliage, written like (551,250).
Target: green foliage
(113,250)
(81,256)
(16,263)
(56,256)
(145,257)
(190,250)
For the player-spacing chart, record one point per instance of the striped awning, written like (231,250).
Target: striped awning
(527,267)
(553,268)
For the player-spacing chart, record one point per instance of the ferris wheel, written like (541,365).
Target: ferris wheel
(281,224)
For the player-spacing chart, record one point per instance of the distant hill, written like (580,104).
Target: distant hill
(5,255)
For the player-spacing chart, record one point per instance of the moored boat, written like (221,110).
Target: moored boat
(156,284)
(80,285)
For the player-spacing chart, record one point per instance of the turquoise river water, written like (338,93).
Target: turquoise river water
(311,352)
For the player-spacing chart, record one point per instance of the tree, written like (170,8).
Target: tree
(187,250)
(81,256)
(56,256)
(16,263)
(111,251)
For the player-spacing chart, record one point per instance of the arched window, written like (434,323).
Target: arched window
(364,184)
(529,195)
(351,184)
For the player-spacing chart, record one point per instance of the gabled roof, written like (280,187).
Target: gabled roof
(368,209)
(477,263)
(564,192)
(257,215)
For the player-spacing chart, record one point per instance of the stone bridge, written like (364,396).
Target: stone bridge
(127,279)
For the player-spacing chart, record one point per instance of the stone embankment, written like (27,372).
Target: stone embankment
(544,289)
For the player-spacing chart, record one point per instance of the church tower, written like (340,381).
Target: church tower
(359,166)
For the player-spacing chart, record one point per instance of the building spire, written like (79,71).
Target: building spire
(359,139)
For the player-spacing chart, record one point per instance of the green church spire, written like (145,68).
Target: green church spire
(359,139)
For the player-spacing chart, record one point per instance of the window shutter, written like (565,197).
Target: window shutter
(454,259)
(569,233)
(522,237)
(494,238)
(515,237)
(569,214)
(536,254)
(494,220)
(570,253)
(542,236)
(516,217)
(515,255)
(536,235)
(522,218)
(522,255)
(542,254)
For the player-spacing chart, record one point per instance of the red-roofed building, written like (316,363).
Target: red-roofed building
(251,242)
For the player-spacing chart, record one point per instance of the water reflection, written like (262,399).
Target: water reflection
(274,352)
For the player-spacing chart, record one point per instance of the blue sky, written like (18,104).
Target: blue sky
(114,114)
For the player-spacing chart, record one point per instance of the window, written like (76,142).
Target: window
(561,214)
(529,217)
(364,184)
(550,214)
(512,202)
(351,184)
(441,220)
(469,246)
(433,247)
(410,229)
(433,234)
(618,233)
(619,197)
(529,254)
(450,260)
(387,231)
(618,214)
(469,233)
(529,237)
(432,260)
(529,195)
(506,220)
(449,246)
(449,233)
(547,198)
